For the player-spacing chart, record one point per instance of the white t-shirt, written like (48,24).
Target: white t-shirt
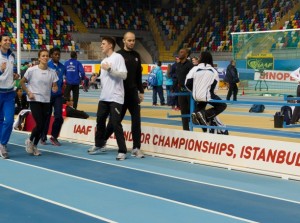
(39,82)
(112,87)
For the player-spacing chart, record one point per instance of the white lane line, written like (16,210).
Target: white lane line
(175,177)
(58,204)
(135,192)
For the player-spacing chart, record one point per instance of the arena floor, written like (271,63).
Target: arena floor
(67,185)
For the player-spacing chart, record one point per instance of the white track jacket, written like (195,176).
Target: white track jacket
(202,81)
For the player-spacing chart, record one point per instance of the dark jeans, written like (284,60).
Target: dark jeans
(233,89)
(158,90)
(132,103)
(56,103)
(75,93)
(184,104)
(114,110)
(40,112)
(171,100)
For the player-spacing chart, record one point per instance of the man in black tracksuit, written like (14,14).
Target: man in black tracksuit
(232,77)
(134,92)
(182,69)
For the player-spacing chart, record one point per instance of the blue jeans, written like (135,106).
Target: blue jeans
(7,111)
(158,90)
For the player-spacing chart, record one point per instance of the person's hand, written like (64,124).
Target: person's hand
(141,97)
(105,66)
(3,67)
(54,89)
(16,76)
(30,95)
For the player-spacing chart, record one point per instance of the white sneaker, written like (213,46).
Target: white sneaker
(121,156)
(29,146)
(36,152)
(137,153)
(3,152)
(95,150)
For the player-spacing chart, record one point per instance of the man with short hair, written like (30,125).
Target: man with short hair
(113,72)
(134,92)
(8,73)
(74,75)
(232,78)
(182,69)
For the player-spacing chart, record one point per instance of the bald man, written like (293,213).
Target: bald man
(134,92)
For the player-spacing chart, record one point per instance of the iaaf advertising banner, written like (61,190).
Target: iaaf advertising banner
(275,75)
(146,68)
(275,157)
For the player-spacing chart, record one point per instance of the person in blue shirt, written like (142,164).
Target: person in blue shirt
(56,100)
(74,75)
(8,73)
(158,89)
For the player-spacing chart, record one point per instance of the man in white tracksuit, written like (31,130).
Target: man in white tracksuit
(202,81)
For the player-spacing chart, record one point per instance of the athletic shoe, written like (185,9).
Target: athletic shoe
(95,150)
(54,141)
(5,147)
(36,152)
(121,156)
(195,119)
(137,153)
(201,117)
(43,142)
(3,152)
(29,146)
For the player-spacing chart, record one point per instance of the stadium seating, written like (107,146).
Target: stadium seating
(110,14)
(42,24)
(45,25)
(213,31)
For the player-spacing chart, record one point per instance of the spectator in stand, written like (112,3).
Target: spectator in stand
(7,94)
(232,78)
(74,75)
(182,69)
(56,99)
(158,89)
(203,82)
(113,74)
(40,80)
(20,101)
